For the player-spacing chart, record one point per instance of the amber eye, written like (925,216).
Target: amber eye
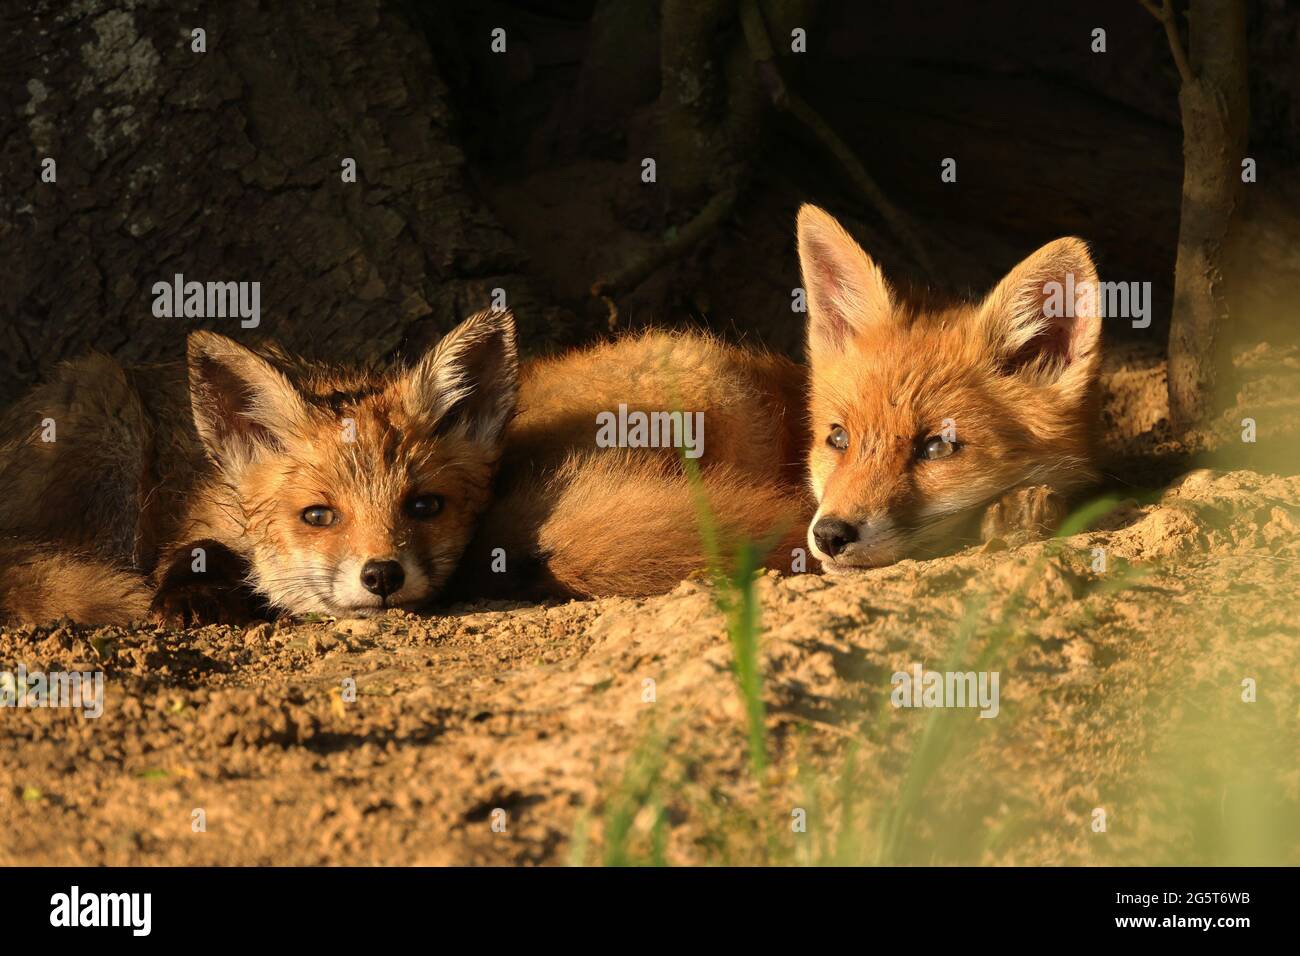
(935,447)
(424,506)
(838,438)
(319,516)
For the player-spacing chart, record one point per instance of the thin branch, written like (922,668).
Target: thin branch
(785,99)
(1165,14)
(713,214)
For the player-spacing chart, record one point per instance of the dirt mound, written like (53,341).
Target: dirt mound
(497,734)
(1149,674)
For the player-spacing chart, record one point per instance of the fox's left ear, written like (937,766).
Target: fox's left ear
(1044,318)
(242,404)
(847,293)
(469,382)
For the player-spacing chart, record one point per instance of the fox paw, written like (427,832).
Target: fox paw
(1023,514)
(194,604)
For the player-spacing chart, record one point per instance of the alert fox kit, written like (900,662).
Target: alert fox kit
(280,485)
(265,483)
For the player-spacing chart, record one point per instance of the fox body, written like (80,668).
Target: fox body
(937,427)
(262,481)
(930,428)
(571,519)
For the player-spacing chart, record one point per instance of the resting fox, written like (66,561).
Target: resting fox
(934,428)
(266,483)
(929,429)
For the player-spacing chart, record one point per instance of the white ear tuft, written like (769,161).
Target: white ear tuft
(242,404)
(469,382)
(1045,316)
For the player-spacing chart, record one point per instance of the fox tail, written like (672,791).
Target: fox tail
(39,585)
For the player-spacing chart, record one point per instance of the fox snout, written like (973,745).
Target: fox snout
(869,542)
(382,577)
(369,585)
(832,535)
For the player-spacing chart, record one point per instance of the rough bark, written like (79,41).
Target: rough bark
(1214,102)
(225,165)
(711,104)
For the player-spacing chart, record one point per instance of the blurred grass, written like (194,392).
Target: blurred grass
(1220,775)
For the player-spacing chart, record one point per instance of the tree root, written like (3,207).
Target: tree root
(632,274)
(721,204)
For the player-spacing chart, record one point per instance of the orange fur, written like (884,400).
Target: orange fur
(143,470)
(139,475)
(40,585)
(574,520)
(1012,385)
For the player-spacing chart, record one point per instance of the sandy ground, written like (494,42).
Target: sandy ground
(614,730)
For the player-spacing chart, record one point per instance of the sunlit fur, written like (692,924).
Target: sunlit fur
(367,483)
(1019,388)
(235,457)
(574,520)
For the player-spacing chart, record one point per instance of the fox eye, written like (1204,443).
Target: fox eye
(838,438)
(319,516)
(424,506)
(936,447)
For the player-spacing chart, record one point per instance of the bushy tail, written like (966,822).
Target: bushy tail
(608,523)
(39,585)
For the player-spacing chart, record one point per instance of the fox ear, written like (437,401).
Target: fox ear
(242,404)
(469,382)
(846,290)
(1044,318)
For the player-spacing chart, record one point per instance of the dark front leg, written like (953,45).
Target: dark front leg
(207,588)
(1024,514)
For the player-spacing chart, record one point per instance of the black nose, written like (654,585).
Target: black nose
(382,577)
(834,535)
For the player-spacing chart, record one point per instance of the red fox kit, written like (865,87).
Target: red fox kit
(929,427)
(267,482)
(575,519)
(310,489)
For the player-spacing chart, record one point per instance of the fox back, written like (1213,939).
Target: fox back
(574,519)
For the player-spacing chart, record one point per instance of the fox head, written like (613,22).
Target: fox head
(921,418)
(350,492)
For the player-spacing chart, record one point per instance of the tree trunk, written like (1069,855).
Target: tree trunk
(226,165)
(1214,105)
(711,103)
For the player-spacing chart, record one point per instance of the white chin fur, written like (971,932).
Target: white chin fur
(854,564)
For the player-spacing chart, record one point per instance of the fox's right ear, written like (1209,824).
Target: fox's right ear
(468,384)
(242,404)
(846,290)
(1033,327)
